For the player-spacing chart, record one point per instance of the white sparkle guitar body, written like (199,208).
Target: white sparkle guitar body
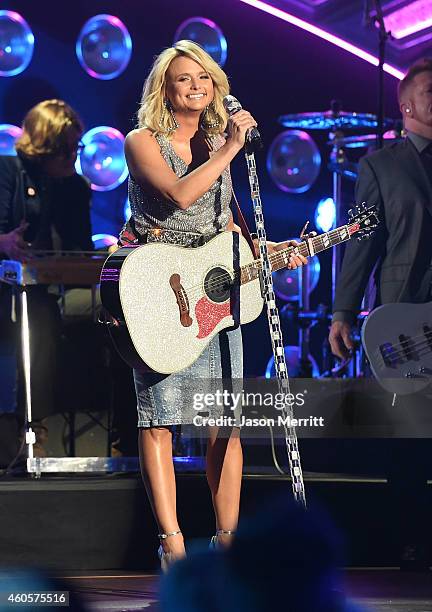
(164,340)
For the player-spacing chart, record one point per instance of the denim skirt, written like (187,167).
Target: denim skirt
(164,400)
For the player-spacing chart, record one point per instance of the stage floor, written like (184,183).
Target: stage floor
(376,590)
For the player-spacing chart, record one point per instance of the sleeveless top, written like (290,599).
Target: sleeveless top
(204,218)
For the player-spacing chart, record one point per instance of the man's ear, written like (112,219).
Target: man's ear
(405,109)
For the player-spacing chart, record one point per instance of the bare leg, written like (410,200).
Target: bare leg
(157,469)
(224,474)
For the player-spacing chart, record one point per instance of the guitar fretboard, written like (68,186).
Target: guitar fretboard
(280,259)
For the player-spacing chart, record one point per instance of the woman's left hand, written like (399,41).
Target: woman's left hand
(295,261)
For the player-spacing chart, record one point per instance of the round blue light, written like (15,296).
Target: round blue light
(325,215)
(207,34)
(8,135)
(102,158)
(294,161)
(127,210)
(104,47)
(16,43)
(292,356)
(287,283)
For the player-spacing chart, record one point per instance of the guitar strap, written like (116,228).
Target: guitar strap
(243,225)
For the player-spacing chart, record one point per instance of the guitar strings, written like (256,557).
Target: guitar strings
(411,338)
(421,352)
(277,257)
(219,281)
(411,348)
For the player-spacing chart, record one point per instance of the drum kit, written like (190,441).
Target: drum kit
(336,122)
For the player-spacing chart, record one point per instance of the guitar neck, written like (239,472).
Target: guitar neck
(307,248)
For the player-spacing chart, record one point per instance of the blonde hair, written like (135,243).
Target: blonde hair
(153,114)
(45,129)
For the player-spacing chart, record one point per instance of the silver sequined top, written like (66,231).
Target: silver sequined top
(206,216)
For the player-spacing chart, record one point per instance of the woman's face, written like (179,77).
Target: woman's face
(189,87)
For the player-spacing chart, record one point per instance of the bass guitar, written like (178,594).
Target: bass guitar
(397,339)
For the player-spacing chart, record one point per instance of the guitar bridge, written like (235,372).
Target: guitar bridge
(182,300)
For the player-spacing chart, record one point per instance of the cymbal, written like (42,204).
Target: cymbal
(328,120)
(347,169)
(364,140)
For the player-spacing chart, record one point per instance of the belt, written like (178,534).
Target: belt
(187,239)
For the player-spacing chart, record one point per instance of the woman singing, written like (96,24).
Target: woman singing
(180,192)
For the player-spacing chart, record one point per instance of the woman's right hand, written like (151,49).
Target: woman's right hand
(238,126)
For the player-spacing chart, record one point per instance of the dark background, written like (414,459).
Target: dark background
(274,68)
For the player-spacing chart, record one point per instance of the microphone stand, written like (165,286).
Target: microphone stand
(383,36)
(275,329)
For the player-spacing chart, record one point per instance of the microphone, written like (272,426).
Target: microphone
(253,137)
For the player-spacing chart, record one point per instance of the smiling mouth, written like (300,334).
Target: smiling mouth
(195,96)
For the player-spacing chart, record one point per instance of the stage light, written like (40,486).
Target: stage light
(103,241)
(104,47)
(325,214)
(102,158)
(8,135)
(292,357)
(16,43)
(294,161)
(127,210)
(207,34)
(287,283)
(409,19)
(335,40)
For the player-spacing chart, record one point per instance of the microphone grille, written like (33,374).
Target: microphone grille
(231,104)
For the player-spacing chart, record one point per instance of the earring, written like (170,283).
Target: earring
(208,122)
(174,123)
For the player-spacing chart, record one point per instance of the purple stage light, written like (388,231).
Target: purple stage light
(293,161)
(207,34)
(409,19)
(335,40)
(104,47)
(8,135)
(103,241)
(16,43)
(102,158)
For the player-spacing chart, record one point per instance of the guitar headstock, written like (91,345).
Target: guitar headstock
(364,219)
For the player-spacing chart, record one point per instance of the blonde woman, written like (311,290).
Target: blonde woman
(180,186)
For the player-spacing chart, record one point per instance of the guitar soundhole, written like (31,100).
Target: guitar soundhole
(217,285)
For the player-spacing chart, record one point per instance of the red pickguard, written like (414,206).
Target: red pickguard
(208,315)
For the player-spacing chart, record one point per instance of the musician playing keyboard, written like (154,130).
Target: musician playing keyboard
(44,205)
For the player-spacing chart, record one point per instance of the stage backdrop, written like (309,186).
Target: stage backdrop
(274,69)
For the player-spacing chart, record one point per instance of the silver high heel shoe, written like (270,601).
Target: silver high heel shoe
(214,540)
(166,558)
